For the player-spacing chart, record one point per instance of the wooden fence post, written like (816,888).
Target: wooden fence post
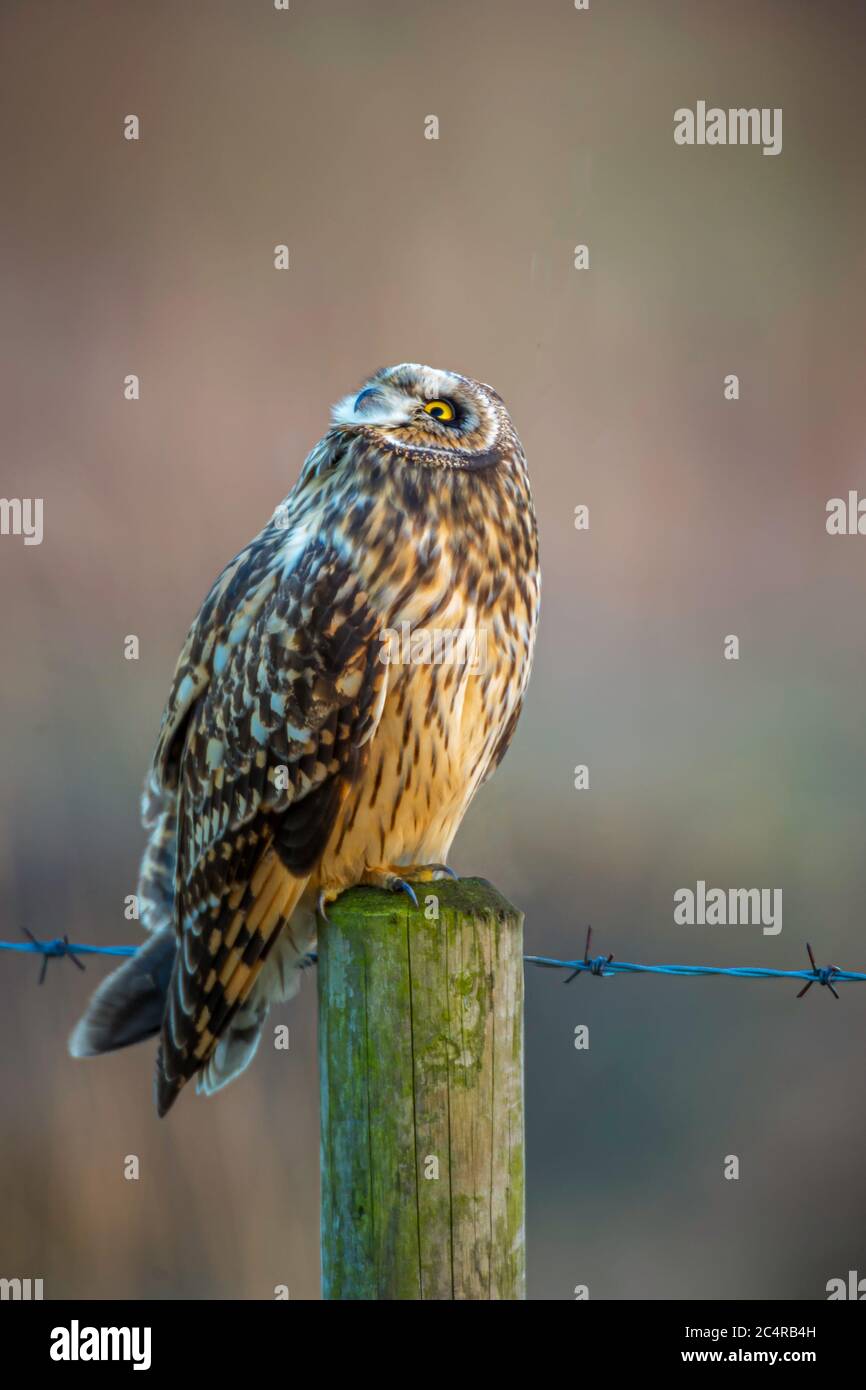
(421,1066)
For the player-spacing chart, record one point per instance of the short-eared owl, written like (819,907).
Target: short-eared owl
(307,745)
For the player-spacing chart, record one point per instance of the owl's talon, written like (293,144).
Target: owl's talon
(390,881)
(406,888)
(322,904)
(446,870)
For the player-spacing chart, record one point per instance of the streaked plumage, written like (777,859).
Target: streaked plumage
(293,760)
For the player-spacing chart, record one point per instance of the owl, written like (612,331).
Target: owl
(352,678)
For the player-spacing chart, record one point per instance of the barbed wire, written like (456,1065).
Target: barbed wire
(62,946)
(829,975)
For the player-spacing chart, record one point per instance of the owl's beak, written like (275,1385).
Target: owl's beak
(374,405)
(365,395)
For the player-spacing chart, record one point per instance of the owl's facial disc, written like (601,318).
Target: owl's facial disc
(428,417)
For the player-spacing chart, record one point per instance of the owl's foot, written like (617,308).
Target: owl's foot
(428,873)
(392,879)
(396,877)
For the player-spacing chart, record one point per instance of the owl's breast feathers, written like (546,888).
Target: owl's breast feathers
(283,719)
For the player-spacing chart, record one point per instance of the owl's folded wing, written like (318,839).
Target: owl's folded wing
(279,689)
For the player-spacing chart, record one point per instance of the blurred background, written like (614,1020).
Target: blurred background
(706,518)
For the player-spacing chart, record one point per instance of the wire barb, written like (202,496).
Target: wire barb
(823,976)
(61,946)
(50,950)
(594,964)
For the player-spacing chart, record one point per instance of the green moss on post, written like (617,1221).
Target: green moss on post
(421,1063)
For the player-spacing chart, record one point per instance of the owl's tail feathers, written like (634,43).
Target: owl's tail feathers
(234,1051)
(129,1004)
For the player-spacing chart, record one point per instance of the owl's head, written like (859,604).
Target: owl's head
(432,418)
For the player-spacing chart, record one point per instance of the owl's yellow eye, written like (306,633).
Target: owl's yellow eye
(440,410)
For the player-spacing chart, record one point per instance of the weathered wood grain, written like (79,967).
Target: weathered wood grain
(421,1061)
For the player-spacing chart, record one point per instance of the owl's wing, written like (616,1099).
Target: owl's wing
(278,691)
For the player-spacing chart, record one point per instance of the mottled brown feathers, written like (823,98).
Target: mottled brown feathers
(291,757)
